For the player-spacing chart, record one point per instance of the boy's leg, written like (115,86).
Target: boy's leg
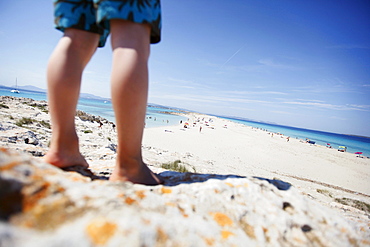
(131,47)
(64,73)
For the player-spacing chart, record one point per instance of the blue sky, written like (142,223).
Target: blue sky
(298,63)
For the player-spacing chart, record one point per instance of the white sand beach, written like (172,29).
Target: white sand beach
(220,147)
(248,151)
(226,147)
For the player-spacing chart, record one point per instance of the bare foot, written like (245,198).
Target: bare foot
(65,160)
(142,175)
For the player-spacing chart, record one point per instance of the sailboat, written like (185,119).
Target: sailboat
(15,90)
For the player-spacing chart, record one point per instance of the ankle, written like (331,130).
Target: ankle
(129,165)
(64,144)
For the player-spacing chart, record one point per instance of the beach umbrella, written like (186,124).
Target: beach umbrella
(358,154)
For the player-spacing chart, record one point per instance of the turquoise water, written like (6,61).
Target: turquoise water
(100,107)
(353,143)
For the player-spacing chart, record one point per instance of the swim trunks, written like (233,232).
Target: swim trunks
(94,15)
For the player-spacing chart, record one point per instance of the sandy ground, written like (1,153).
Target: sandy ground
(221,147)
(234,148)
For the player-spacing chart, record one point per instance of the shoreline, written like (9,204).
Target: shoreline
(320,142)
(219,147)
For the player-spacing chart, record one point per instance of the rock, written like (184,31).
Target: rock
(31,141)
(42,205)
(112,147)
(36,153)
(11,139)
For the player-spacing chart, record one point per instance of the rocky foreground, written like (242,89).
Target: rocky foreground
(41,205)
(44,206)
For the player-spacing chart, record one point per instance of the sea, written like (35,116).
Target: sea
(157,116)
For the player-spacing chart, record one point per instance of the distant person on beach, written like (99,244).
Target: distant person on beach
(133,25)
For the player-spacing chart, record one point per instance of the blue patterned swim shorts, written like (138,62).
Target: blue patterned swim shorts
(94,15)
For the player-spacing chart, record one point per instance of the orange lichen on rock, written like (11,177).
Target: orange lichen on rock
(129,200)
(237,186)
(162,237)
(248,229)
(9,166)
(183,212)
(230,184)
(78,178)
(171,204)
(31,199)
(47,216)
(365,242)
(146,222)
(209,241)
(226,234)
(222,219)
(100,231)
(140,194)
(60,189)
(166,190)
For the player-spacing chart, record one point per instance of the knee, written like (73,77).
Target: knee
(130,35)
(81,40)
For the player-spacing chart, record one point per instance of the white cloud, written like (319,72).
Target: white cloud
(281,112)
(331,106)
(174,82)
(208,98)
(255,92)
(311,100)
(183,98)
(365,107)
(266,64)
(179,80)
